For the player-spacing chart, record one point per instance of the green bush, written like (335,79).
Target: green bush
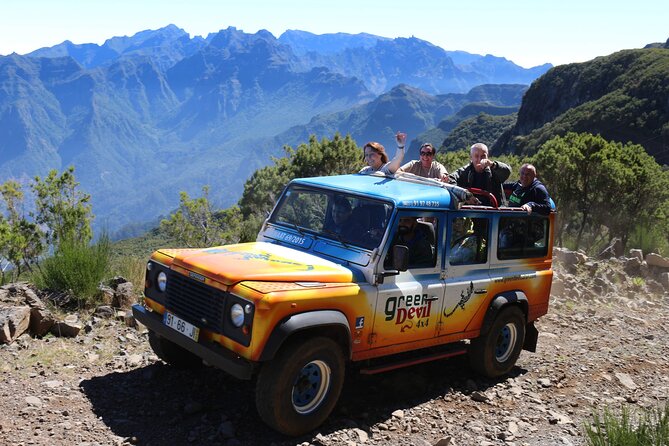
(650,239)
(76,267)
(650,427)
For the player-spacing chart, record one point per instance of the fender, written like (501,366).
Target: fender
(500,301)
(303,321)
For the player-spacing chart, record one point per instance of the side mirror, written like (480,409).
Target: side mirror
(400,257)
(400,263)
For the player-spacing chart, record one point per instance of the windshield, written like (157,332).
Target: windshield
(349,219)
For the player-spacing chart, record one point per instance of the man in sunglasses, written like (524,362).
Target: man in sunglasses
(426,166)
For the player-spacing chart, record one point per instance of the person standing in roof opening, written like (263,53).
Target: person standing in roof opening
(483,173)
(530,193)
(377,160)
(426,166)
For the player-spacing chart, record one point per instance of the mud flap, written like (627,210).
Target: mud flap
(531,337)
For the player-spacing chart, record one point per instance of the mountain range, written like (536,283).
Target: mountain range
(144,117)
(410,109)
(389,62)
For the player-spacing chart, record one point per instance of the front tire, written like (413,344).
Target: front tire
(172,353)
(495,353)
(298,390)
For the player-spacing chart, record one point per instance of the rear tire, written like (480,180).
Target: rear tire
(299,388)
(496,352)
(172,353)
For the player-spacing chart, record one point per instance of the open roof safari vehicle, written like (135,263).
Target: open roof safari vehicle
(307,299)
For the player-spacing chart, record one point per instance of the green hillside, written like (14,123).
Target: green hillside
(439,133)
(623,97)
(482,128)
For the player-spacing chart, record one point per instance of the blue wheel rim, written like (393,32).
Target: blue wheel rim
(311,387)
(506,341)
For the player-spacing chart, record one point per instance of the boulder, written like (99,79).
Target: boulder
(14,321)
(657,260)
(41,321)
(124,296)
(31,298)
(638,253)
(569,259)
(603,284)
(66,329)
(129,320)
(632,266)
(106,294)
(104,311)
(10,298)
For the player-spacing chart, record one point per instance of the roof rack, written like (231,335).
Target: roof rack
(461,195)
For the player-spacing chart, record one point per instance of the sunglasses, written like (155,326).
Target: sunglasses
(425,153)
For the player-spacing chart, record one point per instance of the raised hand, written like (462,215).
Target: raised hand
(401,139)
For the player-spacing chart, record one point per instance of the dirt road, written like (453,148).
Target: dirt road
(106,387)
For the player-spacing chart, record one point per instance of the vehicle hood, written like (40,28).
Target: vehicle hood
(259,261)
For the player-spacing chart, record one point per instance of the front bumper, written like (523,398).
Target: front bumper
(210,352)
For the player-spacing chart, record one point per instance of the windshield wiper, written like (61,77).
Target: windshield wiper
(294,226)
(336,235)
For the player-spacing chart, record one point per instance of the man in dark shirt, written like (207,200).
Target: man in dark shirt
(415,237)
(529,193)
(341,212)
(483,173)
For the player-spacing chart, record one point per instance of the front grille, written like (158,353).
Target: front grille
(195,302)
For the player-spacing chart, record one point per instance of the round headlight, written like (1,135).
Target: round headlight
(162,281)
(237,315)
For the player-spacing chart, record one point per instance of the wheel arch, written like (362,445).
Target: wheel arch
(504,300)
(329,323)
(500,302)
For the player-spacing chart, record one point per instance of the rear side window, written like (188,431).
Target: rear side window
(522,237)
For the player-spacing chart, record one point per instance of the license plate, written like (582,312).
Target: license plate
(183,327)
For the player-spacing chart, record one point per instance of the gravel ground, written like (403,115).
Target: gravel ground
(107,387)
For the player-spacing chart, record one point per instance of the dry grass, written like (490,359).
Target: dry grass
(132,269)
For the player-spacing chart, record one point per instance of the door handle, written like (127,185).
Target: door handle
(480,291)
(432,298)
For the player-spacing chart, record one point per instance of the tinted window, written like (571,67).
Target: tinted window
(522,237)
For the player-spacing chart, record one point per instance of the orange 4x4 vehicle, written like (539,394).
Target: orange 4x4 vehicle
(362,271)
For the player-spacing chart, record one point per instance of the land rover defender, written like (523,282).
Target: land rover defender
(313,297)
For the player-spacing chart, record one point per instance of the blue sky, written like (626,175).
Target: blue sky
(528,32)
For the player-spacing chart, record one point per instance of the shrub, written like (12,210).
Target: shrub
(76,267)
(650,427)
